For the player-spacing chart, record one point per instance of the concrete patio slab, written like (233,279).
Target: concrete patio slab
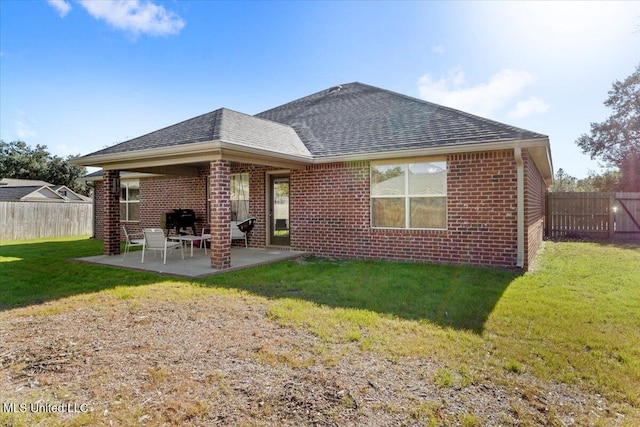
(197,266)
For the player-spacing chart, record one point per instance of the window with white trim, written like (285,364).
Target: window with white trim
(130,200)
(409,195)
(239,189)
(239,196)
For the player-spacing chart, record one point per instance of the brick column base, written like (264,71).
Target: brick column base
(111,210)
(220,220)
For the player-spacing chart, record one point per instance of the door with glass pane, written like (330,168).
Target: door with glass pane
(279,210)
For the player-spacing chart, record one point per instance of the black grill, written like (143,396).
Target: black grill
(181,220)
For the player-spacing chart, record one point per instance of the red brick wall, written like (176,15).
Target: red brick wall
(330,211)
(99,200)
(111,212)
(330,214)
(534,195)
(483,208)
(220,214)
(159,195)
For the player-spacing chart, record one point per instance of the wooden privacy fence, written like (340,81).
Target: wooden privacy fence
(592,214)
(627,213)
(34,220)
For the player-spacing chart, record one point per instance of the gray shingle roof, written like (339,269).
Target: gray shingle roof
(46,193)
(357,118)
(30,193)
(349,119)
(16,193)
(219,125)
(197,129)
(256,132)
(14,182)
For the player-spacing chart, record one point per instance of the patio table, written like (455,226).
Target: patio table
(186,238)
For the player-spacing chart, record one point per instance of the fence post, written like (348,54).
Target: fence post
(612,202)
(547,215)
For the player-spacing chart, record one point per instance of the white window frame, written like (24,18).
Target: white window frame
(407,196)
(237,197)
(125,185)
(231,198)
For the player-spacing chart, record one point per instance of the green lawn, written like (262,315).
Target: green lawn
(450,296)
(574,319)
(36,271)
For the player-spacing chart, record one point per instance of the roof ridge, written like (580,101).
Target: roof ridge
(454,110)
(179,123)
(326,91)
(255,117)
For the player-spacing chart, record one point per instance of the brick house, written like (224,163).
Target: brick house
(354,171)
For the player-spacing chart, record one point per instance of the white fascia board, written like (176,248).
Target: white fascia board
(129,175)
(106,161)
(182,154)
(208,150)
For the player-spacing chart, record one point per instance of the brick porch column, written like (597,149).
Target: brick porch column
(111,209)
(220,220)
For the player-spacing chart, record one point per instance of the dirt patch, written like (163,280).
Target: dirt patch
(221,360)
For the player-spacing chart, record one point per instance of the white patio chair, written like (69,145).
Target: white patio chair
(205,237)
(155,240)
(237,234)
(240,229)
(132,239)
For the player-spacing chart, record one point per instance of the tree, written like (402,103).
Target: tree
(19,161)
(606,182)
(616,141)
(563,182)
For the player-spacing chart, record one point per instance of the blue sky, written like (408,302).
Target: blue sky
(78,76)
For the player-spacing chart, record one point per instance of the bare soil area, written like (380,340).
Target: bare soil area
(219,359)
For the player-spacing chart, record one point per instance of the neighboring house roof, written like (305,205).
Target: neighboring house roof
(22,182)
(69,194)
(353,121)
(30,194)
(15,190)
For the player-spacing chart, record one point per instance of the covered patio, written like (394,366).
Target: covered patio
(197,266)
(197,177)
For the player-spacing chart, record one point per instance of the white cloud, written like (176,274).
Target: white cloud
(61,6)
(529,107)
(440,49)
(484,99)
(137,17)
